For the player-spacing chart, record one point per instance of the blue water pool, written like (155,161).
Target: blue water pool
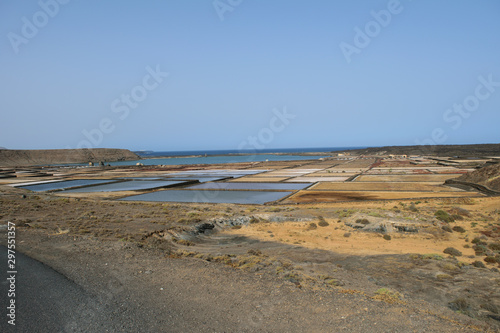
(206,196)
(131,185)
(251,186)
(66,184)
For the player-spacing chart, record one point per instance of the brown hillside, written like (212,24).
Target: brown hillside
(476,150)
(11,158)
(488,176)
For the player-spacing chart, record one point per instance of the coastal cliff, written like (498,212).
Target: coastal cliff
(12,158)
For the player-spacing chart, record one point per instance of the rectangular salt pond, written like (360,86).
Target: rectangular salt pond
(250,186)
(317,179)
(65,184)
(200,179)
(131,185)
(215,173)
(236,197)
(142,178)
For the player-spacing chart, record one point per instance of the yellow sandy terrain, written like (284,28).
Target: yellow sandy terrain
(332,237)
(384,186)
(406,178)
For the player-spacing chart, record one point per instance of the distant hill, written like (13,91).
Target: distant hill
(11,158)
(488,176)
(438,150)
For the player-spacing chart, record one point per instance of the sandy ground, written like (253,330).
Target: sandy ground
(195,295)
(311,196)
(384,186)
(406,178)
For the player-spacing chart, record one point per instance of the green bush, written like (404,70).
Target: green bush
(478,241)
(443,216)
(480,249)
(387,237)
(389,293)
(458,229)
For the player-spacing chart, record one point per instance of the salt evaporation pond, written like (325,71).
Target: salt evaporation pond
(65,184)
(132,185)
(204,196)
(250,186)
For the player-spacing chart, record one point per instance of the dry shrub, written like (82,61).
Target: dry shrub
(182,242)
(446,228)
(494,246)
(490,260)
(452,251)
(254,252)
(322,222)
(312,226)
(363,221)
(478,264)
(460,211)
(459,304)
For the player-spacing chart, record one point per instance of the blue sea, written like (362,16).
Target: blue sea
(227,156)
(146,154)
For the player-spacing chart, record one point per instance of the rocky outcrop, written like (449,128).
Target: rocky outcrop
(488,176)
(13,158)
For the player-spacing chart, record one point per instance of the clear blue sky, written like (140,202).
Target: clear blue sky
(229,67)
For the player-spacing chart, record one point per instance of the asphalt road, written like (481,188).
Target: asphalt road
(46,301)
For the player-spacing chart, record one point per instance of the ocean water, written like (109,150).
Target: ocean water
(228,156)
(146,154)
(215,159)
